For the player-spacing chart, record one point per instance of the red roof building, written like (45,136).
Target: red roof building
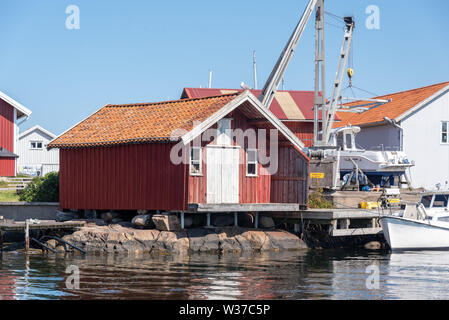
(175,154)
(293,108)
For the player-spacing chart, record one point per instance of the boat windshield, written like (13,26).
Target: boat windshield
(440,201)
(427,201)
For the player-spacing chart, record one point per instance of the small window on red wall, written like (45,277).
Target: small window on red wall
(195,161)
(251,163)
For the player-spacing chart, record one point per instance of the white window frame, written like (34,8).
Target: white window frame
(256,162)
(446,132)
(199,161)
(36,148)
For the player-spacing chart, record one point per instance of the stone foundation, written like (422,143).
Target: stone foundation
(124,239)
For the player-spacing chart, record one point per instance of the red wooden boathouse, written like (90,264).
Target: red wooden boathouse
(175,154)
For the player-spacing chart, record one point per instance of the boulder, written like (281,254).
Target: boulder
(203,240)
(283,240)
(222,219)
(143,221)
(166,222)
(108,217)
(266,222)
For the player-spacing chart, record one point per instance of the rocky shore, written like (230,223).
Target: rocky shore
(123,238)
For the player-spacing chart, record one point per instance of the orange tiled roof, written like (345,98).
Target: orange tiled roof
(137,123)
(401,103)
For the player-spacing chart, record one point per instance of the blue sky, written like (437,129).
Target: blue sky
(144,50)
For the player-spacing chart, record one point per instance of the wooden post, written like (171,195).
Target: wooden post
(27,236)
(236,219)
(208,219)
(256,221)
(182,220)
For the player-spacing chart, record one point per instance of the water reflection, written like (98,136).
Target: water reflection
(292,275)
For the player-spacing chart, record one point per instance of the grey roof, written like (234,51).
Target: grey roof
(7,154)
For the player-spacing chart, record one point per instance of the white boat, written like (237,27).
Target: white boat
(423,226)
(375,164)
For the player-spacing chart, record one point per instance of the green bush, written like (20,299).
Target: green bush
(42,189)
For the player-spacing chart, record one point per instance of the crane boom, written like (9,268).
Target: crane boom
(330,109)
(272,84)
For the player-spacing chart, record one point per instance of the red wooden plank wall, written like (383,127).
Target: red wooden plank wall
(128,177)
(7,165)
(259,189)
(290,184)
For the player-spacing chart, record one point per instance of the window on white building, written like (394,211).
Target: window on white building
(195,161)
(251,163)
(444,132)
(36,145)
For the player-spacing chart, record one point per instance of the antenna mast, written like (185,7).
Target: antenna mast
(210,78)
(255,70)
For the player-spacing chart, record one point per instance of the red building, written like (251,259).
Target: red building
(293,108)
(175,154)
(12,114)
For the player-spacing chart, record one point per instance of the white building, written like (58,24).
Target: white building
(34,158)
(415,121)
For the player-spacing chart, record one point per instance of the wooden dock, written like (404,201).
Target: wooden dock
(340,222)
(26,226)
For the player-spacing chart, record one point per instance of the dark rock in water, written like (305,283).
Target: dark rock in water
(166,222)
(266,222)
(246,220)
(222,219)
(373,245)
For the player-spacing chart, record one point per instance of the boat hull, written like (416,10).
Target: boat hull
(405,234)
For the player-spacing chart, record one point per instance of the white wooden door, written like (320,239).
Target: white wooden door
(222,175)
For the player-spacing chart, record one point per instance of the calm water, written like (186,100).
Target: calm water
(311,275)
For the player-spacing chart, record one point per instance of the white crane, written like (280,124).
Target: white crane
(275,78)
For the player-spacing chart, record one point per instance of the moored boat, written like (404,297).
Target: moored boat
(422,226)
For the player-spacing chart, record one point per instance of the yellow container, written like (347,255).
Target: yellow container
(370,205)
